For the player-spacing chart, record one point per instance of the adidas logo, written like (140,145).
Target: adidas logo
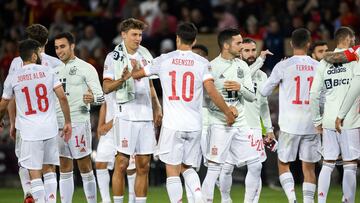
(52,196)
(222,76)
(83,150)
(321,194)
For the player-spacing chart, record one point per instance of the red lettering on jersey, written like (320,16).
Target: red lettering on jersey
(304,68)
(24,77)
(183,62)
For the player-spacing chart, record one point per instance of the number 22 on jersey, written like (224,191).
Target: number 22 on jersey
(297,90)
(42,100)
(187,77)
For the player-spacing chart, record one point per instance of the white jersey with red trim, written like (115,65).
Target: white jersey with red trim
(294,76)
(182,74)
(33,87)
(46,60)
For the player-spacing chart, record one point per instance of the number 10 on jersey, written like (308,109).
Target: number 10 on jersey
(187,77)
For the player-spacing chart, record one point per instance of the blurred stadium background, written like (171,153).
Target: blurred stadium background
(95,24)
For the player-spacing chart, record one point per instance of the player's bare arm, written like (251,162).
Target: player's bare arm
(219,101)
(60,94)
(88,97)
(335,57)
(111,85)
(103,127)
(157,111)
(12,114)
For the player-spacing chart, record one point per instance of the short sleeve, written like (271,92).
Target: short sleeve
(206,74)
(55,80)
(109,72)
(8,89)
(153,68)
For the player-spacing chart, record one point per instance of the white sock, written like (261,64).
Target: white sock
(309,192)
(287,183)
(118,199)
(258,192)
(89,185)
(103,179)
(324,181)
(66,186)
(225,181)
(131,185)
(25,180)
(50,185)
(208,185)
(192,181)
(37,190)
(252,180)
(174,189)
(140,200)
(189,196)
(349,182)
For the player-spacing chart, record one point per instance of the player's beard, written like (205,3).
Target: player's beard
(250,60)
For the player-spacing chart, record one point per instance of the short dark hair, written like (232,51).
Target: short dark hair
(248,41)
(67,35)
(37,32)
(202,48)
(131,23)
(226,35)
(341,33)
(316,44)
(300,38)
(187,33)
(27,48)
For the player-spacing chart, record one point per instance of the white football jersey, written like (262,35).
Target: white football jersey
(110,106)
(33,87)
(46,60)
(182,74)
(295,76)
(139,109)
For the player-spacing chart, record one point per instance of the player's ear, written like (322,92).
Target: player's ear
(193,44)
(72,47)
(123,35)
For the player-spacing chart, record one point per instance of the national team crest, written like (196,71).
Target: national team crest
(214,150)
(240,73)
(144,62)
(73,70)
(124,143)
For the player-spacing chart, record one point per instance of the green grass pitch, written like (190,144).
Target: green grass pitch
(159,195)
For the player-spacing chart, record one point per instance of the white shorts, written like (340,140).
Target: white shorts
(307,145)
(203,140)
(176,147)
(106,149)
(347,144)
(33,154)
(134,137)
(79,144)
(231,145)
(258,143)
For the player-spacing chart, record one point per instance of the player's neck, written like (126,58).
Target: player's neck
(227,56)
(299,52)
(130,51)
(27,62)
(342,46)
(42,49)
(184,47)
(69,59)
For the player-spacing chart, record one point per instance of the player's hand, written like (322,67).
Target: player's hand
(263,54)
(126,74)
(67,131)
(230,118)
(270,136)
(135,64)
(88,97)
(319,129)
(157,116)
(232,85)
(338,124)
(12,132)
(234,111)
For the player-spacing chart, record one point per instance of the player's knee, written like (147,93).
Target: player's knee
(66,166)
(121,165)
(101,165)
(143,169)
